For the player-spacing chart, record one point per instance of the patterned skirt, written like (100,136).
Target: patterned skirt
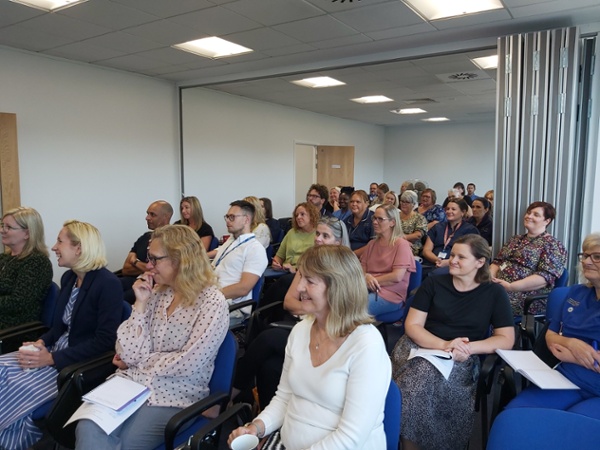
(436,413)
(21,392)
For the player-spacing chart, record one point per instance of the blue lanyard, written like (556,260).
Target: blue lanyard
(229,249)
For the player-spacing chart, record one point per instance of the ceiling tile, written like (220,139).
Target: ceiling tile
(166,8)
(262,39)
(28,39)
(83,51)
(216,21)
(166,32)
(379,17)
(123,42)
(274,12)
(108,14)
(64,26)
(342,41)
(316,29)
(12,13)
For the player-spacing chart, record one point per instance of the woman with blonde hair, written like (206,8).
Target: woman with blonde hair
(258,226)
(25,270)
(170,342)
(88,312)
(193,217)
(331,396)
(387,262)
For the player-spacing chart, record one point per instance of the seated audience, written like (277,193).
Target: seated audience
(432,212)
(414,225)
(298,239)
(88,312)
(263,359)
(391,199)
(259,226)
(359,224)
(273,224)
(441,237)
(387,262)
(481,218)
(572,337)
(158,214)
(318,195)
(458,192)
(26,272)
(241,260)
(406,186)
(382,189)
(344,212)
(170,342)
(530,263)
(193,217)
(333,395)
(450,313)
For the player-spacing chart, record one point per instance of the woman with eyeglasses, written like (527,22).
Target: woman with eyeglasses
(193,217)
(414,225)
(573,337)
(530,263)
(88,312)
(25,269)
(428,207)
(387,262)
(170,342)
(298,239)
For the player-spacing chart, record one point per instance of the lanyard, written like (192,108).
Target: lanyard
(447,238)
(229,249)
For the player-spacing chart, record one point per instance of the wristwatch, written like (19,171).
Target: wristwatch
(136,261)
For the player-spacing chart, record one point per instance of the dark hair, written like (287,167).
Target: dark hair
(461,204)
(472,184)
(458,184)
(433,194)
(321,189)
(549,211)
(484,201)
(245,206)
(268,207)
(479,249)
(384,188)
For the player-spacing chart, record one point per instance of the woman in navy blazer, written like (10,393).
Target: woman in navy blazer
(88,313)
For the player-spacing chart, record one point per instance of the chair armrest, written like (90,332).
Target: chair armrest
(190,413)
(530,300)
(198,437)
(240,305)
(68,371)
(18,333)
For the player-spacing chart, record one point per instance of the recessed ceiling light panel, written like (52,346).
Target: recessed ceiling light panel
(213,47)
(486,62)
(408,111)
(373,99)
(319,82)
(49,5)
(436,119)
(444,9)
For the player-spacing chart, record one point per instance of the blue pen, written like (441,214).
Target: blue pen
(595,346)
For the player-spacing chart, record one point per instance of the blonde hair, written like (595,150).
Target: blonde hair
(29,219)
(346,292)
(186,251)
(393,213)
(197,216)
(259,215)
(93,252)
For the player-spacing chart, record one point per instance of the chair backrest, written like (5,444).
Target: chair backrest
(126,311)
(555,300)
(214,243)
(257,289)
(392,416)
(50,305)
(415,278)
(531,428)
(222,377)
(563,280)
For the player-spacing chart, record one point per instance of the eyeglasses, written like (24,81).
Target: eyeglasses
(5,227)
(313,196)
(379,219)
(231,217)
(404,202)
(153,259)
(583,256)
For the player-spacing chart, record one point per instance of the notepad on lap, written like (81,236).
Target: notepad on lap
(116,393)
(535,370)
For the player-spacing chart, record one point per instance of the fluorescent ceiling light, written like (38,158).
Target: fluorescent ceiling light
(408,111)
(319,82)
(373,99)
(436,119)
(486,62)
(443,9)
(49,5)
(213,47)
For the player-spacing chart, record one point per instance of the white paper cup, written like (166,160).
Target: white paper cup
(245,442)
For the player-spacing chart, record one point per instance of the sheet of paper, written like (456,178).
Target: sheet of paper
(443,364)
(116,393)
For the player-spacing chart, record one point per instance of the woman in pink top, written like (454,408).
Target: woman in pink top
(387,262)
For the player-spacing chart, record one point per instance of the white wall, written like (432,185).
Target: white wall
(236,147)
(96,145)
(441,155)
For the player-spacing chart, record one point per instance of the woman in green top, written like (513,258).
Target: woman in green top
(25,270)
(298,239)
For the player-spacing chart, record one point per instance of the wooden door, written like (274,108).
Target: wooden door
(335,165)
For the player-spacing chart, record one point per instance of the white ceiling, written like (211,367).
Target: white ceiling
(292,36)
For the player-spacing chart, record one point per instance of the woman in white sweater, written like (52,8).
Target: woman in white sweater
(336,371)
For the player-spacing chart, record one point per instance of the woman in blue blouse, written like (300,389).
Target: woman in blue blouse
(572,337)
(359,224)
(433,212)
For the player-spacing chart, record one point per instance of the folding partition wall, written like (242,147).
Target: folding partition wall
(536,154)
